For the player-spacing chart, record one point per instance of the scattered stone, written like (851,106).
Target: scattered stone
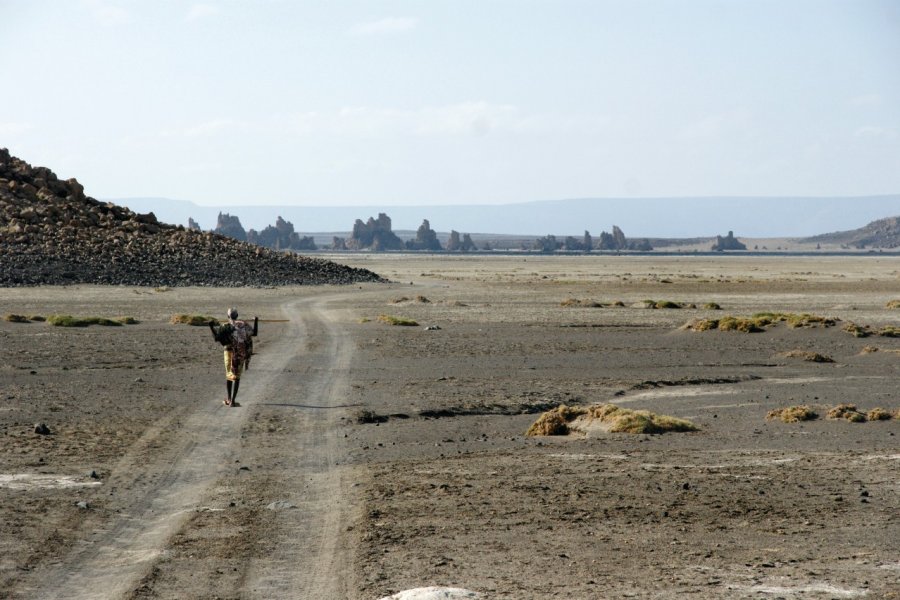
(280,505)
(433,328)
(83,505)
(41,429)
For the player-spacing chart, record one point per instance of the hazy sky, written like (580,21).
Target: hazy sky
(403,102)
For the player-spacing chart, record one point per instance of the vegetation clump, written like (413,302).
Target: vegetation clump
(402,321)
(557,421)
(36,318)
(879,414)
(793,414)
(893,304)
(655,304)
(808,356)
(712,306)
(70,321)
(194,320)
(795,320)
(860,331)
(864,331)
(576,303)
(12,318)
(848,412)
(759,322)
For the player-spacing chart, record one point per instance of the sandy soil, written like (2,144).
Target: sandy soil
(369,459)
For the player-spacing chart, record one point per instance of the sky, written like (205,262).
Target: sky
(368,103)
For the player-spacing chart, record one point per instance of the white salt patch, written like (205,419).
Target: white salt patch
(30,481)
(433,593)
(589,456)
(821,588)
(882,457)
(679,392)
(799,380)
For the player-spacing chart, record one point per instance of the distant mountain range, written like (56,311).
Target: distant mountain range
(753,217)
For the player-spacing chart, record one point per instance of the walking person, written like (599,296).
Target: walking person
(237,338)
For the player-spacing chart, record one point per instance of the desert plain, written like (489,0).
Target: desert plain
(370,458)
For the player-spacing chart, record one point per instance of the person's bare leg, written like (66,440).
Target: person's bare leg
(234,391)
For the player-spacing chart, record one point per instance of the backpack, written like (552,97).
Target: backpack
(224,334)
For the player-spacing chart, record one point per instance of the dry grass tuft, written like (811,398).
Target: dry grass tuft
(701,325)
(36,318)
(400,300)
(555,421)
(848,412)
(807,356)
(795,320)
(862,331)
(194,320)
(869,350)
(712,306)
(893,304)
(855,330)
(741,324)
(793,414)
(655,304)
(127,320)
(70,321)
(401,321)
(617,420)
(879,414)
(15,318)
(422,300)
(576,303)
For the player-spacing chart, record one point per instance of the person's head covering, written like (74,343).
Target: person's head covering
(232,313)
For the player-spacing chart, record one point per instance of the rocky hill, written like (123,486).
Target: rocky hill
(883,233)
(51,233)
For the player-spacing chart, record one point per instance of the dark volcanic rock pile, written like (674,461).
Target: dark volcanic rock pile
(51,233)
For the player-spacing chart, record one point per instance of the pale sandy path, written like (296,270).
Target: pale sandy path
(161,485)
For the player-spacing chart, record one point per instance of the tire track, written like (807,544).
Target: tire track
(161,492)
(311,560)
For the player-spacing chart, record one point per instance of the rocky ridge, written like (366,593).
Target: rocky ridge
(883,233)
(52,233)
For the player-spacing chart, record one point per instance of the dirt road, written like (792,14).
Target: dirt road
(292,546)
